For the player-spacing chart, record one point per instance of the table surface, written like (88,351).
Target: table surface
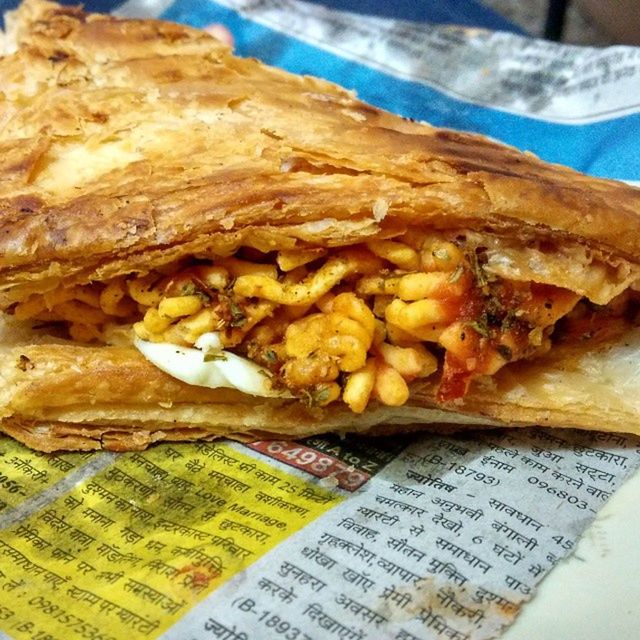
(594,593)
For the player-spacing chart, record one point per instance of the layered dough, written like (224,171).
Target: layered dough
(575,364)
(127,144)
(132,148)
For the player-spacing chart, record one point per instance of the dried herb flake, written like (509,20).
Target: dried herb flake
(321,396)
(457,274)
(190,289)
(478,271)
(441,254)
(316,397)
(213,356)
(480,327)
(238,319)
(24,363)
(505,352)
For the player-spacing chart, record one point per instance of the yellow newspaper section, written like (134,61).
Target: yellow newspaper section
(131,549)
(25,473)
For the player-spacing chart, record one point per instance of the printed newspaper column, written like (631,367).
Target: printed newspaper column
(447,541)
(25,473)
(128,551)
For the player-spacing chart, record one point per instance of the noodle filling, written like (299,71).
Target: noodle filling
(341,324)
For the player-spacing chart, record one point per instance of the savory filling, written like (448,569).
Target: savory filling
(327,325)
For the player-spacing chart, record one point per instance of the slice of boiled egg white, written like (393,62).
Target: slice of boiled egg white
(209,365)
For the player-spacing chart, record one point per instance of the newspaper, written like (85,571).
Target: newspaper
(428,536)
(423,537)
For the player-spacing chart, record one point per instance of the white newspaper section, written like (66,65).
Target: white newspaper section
(525,76)
(521,75)
(448,541)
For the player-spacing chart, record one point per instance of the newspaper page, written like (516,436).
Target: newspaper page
(426,536)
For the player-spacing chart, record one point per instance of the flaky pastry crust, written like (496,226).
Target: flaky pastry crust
(127,144)
(65,396)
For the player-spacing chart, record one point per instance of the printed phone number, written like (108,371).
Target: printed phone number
(272,620)
(559,493)
(81,628)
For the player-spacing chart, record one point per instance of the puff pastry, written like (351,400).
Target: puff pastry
(157,192)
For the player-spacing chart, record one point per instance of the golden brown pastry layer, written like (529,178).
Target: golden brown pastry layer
(129,143)
(75,397)
(127,146)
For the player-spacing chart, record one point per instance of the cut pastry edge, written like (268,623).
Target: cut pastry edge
(50,436)
(448,174)
(199,313)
